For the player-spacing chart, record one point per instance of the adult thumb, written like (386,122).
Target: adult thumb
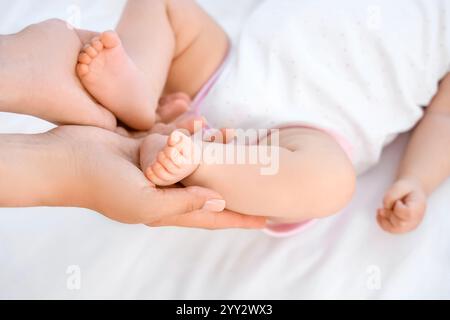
(179,201)
(101,117)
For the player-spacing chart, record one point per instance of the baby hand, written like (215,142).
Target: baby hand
(404,207)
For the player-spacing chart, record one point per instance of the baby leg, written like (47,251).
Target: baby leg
(167,160)
(310,177)
(168,45)
(314,177)
(173,42)
(129,79)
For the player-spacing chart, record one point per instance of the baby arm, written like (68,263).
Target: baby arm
(425,166)
(314,177)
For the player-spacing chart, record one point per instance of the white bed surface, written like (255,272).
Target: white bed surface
(346,256)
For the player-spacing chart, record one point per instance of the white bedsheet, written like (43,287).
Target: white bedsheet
(346,256)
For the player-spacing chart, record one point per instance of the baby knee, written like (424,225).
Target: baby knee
(326,196)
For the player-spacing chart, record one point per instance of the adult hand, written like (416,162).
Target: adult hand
(97,169)
(37,77)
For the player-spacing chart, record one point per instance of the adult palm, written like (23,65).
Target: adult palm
(101,173)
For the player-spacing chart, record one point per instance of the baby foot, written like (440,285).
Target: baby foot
(176,161)
(112,78)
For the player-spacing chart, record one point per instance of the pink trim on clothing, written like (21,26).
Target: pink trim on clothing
(274,230)
(340,139)
(287,230)
(291,229)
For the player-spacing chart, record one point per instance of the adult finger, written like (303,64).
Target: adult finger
(179,201)
(84,111)
(212,221)
(86,36)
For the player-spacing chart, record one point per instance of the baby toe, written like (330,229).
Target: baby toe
(84,58)
(175,139)
(90,51)
(175,156)
(97,44)
(167,163)
(110,39)
(182,143)
(162,174)
(153,177)
(82,70)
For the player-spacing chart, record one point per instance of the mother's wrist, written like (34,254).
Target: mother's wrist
(12,82)
(3,81)
(32,168)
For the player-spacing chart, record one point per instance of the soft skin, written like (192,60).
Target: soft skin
(72,166)
(426,164)
(59,168)
(38,77)
(316,178)
(191,46)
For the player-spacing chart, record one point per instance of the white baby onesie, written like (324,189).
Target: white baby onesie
(361,68)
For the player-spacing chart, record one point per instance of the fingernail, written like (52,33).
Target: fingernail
(214,205)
